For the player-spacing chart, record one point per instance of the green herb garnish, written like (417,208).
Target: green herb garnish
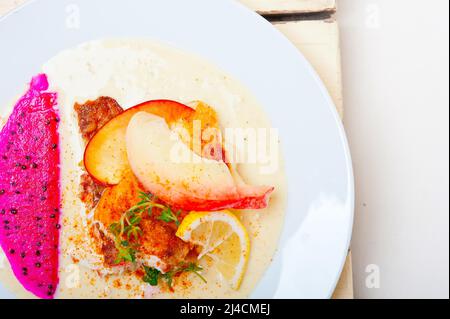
(127,230)
(153,276)
(168,216)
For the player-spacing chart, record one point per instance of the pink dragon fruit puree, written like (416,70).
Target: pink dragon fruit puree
(30,189)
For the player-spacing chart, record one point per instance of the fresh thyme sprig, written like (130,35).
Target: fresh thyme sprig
(168,216)
(153,276)
(127,230)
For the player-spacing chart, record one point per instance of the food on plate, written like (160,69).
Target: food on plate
(131,186)
(156,240)
(92,116)
(105,157)
(146,233)
(29,189)
(198,184)
(221,237)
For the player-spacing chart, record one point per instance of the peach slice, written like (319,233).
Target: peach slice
(168,168)
(105,157)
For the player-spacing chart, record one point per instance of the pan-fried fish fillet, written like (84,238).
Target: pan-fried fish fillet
(159,247)
(158,238)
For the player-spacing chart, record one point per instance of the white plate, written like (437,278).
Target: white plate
(319,219)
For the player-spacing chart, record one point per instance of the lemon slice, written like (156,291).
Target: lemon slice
(223,238)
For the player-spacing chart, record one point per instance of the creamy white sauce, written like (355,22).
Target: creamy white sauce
(134,71)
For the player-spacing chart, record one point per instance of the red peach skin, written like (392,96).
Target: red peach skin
(105,156)
(249,197)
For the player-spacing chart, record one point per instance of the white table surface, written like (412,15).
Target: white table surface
(396,97)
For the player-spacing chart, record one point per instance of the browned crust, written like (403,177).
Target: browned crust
(93,115)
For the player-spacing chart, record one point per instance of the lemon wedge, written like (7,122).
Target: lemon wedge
(223,238)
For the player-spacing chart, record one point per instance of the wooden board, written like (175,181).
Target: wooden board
(266,7)
(319,43)
(344,288)
(8,5)
(290,6)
